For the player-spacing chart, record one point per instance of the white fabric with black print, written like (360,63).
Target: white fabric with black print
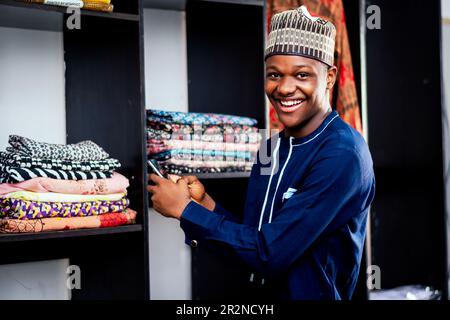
(82,151)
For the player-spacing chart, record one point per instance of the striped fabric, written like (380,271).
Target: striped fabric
(16,160)
(15,175)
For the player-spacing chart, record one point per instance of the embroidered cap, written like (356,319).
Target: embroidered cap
(296,32)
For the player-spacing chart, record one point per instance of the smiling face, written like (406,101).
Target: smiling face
(297,88)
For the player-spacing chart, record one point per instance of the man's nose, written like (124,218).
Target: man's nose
(286,86)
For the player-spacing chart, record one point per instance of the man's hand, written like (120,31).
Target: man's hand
(196,188)
(169,198)
(198,193)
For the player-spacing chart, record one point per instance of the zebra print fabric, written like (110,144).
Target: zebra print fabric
(15,175)
(14,160)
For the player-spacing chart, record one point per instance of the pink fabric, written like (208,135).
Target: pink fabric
(156,146)
(116,184)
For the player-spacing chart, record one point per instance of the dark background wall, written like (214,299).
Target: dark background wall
(405,138)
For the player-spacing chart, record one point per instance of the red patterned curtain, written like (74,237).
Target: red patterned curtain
(345,89)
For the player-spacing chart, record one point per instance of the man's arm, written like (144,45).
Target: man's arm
(340,186)
(199,195)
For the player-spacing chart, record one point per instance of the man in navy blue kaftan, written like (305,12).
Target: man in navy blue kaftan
(304,223)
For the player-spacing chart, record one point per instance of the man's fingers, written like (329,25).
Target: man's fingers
(190,179)
(173,177)
(182,182)
(156,179)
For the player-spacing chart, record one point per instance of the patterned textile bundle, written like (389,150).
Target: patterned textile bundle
(11,159)
(26,159)
(55,224)
(30,209)
(201,142)
(190,118)
(49,187)
(85,150)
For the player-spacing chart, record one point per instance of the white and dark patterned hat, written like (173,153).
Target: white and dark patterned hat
(296,32)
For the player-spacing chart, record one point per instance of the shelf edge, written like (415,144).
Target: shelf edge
(63,10)
(14,237)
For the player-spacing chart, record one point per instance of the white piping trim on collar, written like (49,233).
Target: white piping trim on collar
(318,134)
(280,177)
(274,164)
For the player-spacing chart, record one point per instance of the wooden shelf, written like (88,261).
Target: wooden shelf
(223,175)
(12,237)
(63,10)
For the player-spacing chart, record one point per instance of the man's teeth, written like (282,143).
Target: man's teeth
(290,103)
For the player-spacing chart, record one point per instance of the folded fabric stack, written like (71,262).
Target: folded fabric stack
(201,142)
(95,5)
(47,187)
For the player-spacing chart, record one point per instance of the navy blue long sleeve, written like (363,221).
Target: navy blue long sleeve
(304,225)
(228,215)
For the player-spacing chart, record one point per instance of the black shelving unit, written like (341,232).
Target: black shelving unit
(104,103)
(124,12)
(225,75)
(223,175)
(69,233)
(405,104)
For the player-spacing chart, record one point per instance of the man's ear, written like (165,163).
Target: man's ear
(331,77)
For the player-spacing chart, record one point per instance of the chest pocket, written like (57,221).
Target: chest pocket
(288,194)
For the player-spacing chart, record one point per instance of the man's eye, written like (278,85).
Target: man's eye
(273,75)
(302,75)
